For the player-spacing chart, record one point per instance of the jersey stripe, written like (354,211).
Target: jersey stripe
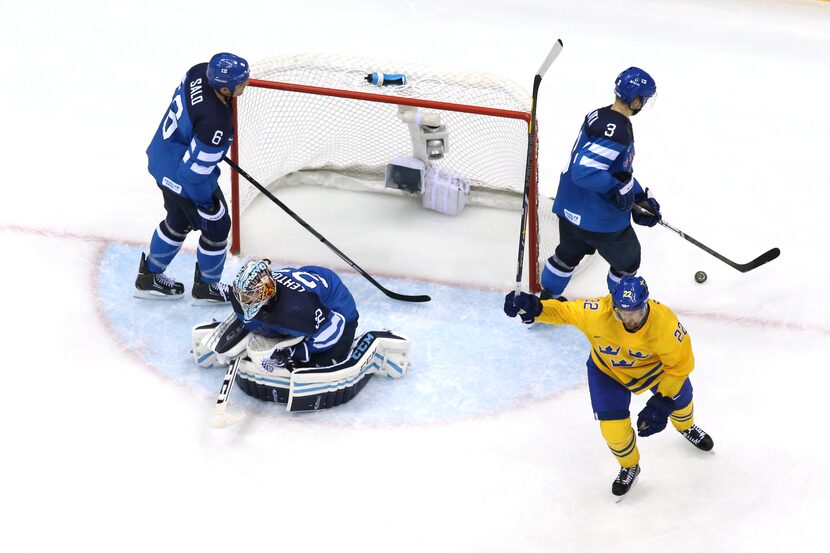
(210,158)
(331,333)
(588,162)
(603,151)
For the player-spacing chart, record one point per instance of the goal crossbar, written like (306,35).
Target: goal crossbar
(526,117)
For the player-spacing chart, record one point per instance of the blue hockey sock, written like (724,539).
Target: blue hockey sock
(613,280)
(163,248)
(211,259)
(556,276)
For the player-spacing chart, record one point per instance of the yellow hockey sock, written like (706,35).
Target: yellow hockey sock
(621,441)
(683,419)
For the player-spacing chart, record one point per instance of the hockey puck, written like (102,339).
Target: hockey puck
(700,277)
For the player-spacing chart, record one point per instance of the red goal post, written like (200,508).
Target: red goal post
(312,112)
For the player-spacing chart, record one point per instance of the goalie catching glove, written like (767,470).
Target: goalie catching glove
(285,355)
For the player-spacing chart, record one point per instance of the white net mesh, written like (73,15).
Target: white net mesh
(281,133)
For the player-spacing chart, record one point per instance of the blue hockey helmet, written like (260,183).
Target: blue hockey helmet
(630,299)
(630,294)
(228,70)
(634,83)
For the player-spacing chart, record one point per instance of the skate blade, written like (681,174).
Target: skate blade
(225,421)
(150,295)
(195,301)
(618,498)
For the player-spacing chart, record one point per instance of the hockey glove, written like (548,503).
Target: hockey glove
(279,358)
(654,416)
(623,193)
(214,220)
(651,216)
(526,306)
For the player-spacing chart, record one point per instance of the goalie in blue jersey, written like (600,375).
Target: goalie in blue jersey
(309,302)
(183,157)
(295,330)
(598,191)
(637,345)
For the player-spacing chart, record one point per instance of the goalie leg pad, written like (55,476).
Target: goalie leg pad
(265,386)
(228,340)
(202,355)
(381,352)
(392,354)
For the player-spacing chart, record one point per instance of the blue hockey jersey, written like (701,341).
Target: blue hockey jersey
(194,135)
(603,148)
(311,302)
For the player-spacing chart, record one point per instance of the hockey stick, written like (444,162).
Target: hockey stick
(765,257)
(220,419)
(531,144)
(309,228)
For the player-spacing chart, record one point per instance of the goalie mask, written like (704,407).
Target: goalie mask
(253,286)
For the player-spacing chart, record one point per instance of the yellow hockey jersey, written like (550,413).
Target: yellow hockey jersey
(660,352)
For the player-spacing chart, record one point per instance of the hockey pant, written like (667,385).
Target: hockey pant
(620,249)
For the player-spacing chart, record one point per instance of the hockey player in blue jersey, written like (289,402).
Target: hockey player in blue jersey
(192,138)
(598,191)
(291,339)
(309,302)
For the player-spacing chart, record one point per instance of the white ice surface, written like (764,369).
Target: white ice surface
(106,444)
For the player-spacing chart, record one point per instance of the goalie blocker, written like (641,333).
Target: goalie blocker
(303,388)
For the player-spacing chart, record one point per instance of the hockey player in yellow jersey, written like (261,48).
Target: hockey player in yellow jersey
(637,344)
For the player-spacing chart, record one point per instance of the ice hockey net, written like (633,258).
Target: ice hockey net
(311,113)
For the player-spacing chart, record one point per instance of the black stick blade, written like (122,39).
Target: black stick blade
(404,297)
(765,257)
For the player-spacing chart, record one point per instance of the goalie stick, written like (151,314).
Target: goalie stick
(309,228)
(531,145)
(220,419)
(765,257)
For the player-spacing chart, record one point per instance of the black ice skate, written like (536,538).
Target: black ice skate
(699,438)
(207,293)
(155,286)
(625,481)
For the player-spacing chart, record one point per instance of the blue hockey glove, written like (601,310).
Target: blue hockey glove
(646,201)
(279,358)
(526,306)
(206,211)
(654,416)
(623,193)
(214,220)
(510,309)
